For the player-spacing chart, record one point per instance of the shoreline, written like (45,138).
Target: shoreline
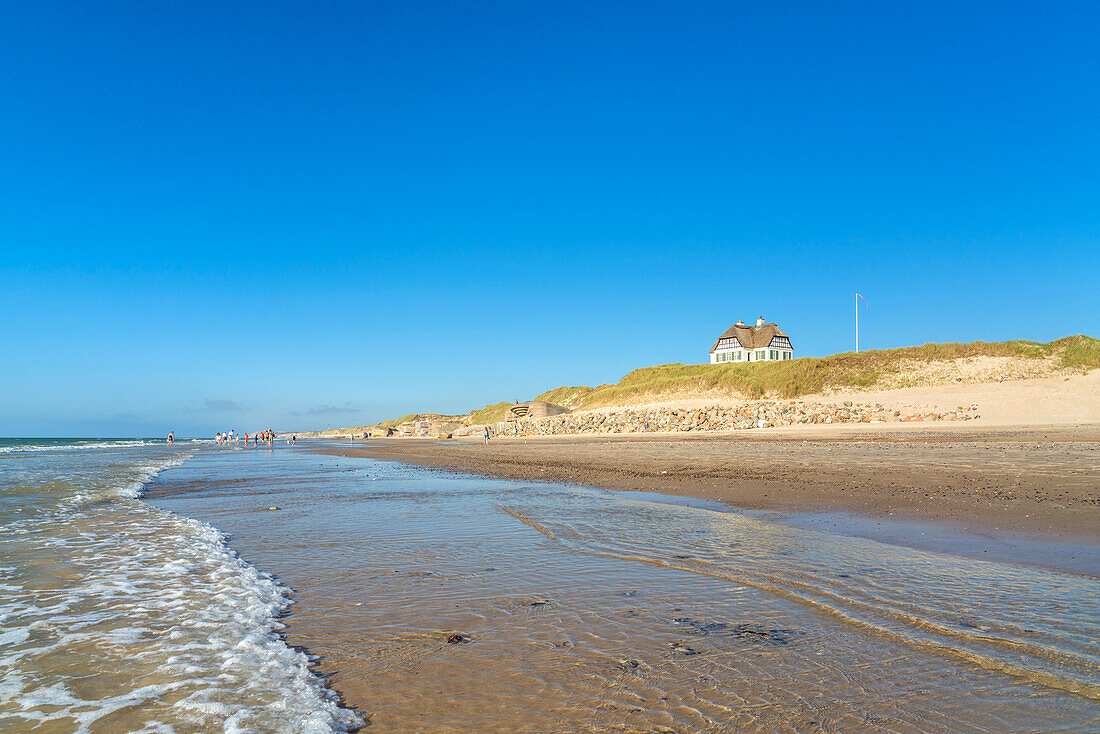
(1020,487)
(664,594)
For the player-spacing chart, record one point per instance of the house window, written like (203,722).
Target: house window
(721,356)
(739,356)
(760,354)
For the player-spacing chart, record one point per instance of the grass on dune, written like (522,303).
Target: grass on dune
(808,375)
(794,377)
(394,422)
(567,396)
(488,414)
(1079,352)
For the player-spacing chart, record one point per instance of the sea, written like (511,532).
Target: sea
(197,588)
(119,616)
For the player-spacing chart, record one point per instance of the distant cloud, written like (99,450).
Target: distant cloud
(223,405)
(330,409)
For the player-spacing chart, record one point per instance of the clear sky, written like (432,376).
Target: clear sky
(248,215)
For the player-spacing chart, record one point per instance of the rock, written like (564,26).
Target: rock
(457,638)
(683,648)
(746,416)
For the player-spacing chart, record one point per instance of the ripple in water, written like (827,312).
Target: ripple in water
(584,610)
(119,616)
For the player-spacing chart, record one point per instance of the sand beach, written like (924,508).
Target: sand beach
(1043,482)
(1029,462)
(441,601)
(892,560)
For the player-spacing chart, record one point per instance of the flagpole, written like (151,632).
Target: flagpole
(857,322)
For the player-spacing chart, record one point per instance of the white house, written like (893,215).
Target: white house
(760,343)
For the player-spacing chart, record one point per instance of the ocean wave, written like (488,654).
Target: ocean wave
(75,444)
(15,446)
(177,631)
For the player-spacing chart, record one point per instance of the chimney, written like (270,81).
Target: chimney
(759,322)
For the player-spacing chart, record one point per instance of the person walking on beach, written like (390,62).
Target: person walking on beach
(486,435)
(171,437)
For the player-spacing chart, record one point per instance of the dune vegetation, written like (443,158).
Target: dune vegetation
(790,378)
(810,375)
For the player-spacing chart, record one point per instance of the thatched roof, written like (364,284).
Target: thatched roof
(751,337)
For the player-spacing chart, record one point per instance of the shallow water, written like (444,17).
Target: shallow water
(590,611)
(118,616)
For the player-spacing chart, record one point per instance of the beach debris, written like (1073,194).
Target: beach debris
(741,631)
(779,636)
(538,603)
(274,507)
(457,638)
(683,648)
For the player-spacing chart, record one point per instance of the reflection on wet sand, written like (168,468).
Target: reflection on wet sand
(581,610)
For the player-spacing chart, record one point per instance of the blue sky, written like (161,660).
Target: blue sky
(245,215)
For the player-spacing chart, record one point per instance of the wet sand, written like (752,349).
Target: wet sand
(1042,482)
(588,610)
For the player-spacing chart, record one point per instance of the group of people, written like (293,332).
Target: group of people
(230,438)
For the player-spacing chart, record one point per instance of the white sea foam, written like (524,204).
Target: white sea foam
(15,447)
(162,614)
(79,444)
